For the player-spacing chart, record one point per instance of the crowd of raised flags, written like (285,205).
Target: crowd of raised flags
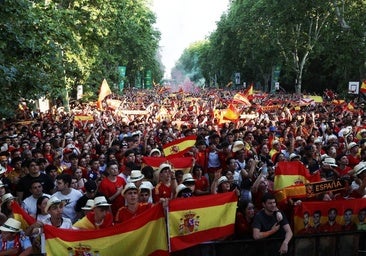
(307,138)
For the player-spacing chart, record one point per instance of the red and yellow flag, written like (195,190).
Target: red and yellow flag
(142,235)
(190,222)
(290,179)
(179,147)
(104,92)
(178,163)
(231,113)
(242,99)
(363,87)
(22,216)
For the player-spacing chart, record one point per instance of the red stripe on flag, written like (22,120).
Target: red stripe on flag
(155,213)
(177,243)
(202,201)
(23,214)
(179,146)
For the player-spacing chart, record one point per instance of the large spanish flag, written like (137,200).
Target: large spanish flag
(199,219)
(178,163)
(178,147)
(242,99)
(290,179)
(143,235)
(104,92)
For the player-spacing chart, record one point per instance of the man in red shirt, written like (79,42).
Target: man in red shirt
(133,206)
(166,187)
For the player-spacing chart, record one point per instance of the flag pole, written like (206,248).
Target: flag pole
(167,224)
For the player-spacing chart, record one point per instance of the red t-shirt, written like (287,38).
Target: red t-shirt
(109,188)
(162,191)
(124,214)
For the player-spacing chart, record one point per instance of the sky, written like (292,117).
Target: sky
(183,22)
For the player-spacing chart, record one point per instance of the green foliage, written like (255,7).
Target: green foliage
(48,47)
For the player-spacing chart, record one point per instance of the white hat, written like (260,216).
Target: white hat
(187,177)
(163,166)
(155,150)
(180,187)
(11,225)
(146,185)
(345,132)
(238,145)
(318,140)
(53,200)
(359,168)
(6,198)
(352,145)
(129,186)
(332,137)
(221,180)
(330,161)
(89,205)
(362,131)
(2,169)
(293,156)
(136,175)
(100,201)
(274,142)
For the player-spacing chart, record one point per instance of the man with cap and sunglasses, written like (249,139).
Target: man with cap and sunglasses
(99,217)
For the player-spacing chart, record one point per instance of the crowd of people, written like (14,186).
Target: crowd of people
(89,173)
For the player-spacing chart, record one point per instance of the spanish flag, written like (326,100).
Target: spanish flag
(179,147)
(22,216)
(200,219)
(178,163)
(104,92)
(363,87)
(142,235)
(242,99)
(290,179)
(249,90)
(231,113)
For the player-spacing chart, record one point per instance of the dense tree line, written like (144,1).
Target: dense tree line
(315,44)
(48,46)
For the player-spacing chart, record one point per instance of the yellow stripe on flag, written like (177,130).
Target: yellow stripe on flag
(206,221)
(148,239)
(283,181)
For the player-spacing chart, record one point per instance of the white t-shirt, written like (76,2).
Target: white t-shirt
(29,204)
(66,222)
(70,202)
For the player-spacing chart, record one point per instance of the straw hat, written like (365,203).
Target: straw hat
(89,205)
(6,198)
(155,150)
(221,180)
(359,168)
(129,186)
(11,225)
(100,201)
(330,161)
(187,177)
(238,145)
(146,185)
(52,201)
(293,156)
(163,166)
(136,175)
(180,188)
(352,145)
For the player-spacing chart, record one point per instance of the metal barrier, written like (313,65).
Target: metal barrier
(330,244)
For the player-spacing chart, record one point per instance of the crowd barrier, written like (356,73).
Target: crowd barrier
(330,244)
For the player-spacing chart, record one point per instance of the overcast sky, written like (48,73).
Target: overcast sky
(182,22)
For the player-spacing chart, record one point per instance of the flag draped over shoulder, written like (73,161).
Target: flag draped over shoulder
(178,163)
(143,235)
(104,92)
(195,220)
(323,207)
(290,179)
(178,147)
